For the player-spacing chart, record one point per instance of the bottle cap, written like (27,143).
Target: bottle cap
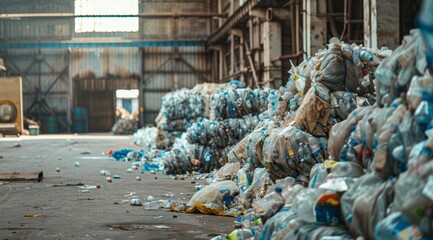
(278,189)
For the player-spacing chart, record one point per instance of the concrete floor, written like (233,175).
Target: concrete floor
(68,213)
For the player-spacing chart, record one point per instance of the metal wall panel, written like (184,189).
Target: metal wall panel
(153,101)
(167,69)
(184,28)
(50,63)
(36,29)
(103,62)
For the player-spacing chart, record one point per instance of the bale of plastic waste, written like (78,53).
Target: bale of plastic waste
(146,137)
(235,103)
(124,126)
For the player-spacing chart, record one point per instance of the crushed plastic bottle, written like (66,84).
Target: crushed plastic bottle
(269,205)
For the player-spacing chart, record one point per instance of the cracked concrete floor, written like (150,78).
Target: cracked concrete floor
(64,212)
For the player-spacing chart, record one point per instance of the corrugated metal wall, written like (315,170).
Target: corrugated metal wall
(41,29)
(103,62)
(52,63)
(175,28)
(167,69)
(105,69)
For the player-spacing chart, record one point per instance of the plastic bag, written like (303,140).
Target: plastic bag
(214,193)
(311,114)
(304,203)
(257,189)
(369,208)
(269,205)
(362,186)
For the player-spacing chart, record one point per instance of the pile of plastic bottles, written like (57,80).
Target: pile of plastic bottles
(146,137)
(236,103)
(182,104)
(221,133)
(378,181)
(235,113)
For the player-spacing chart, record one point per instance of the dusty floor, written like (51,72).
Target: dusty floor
(67,213)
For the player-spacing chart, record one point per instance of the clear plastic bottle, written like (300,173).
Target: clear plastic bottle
(269,205)
(243,180)
(315,149)
(152,205)
(241,234)
(365,55)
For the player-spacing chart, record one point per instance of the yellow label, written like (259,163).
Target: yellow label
(329,164)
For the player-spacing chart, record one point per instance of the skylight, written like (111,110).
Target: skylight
(106,24)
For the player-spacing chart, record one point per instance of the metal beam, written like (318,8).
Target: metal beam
(33,45)
(240,14)
(315,35)
(18,16)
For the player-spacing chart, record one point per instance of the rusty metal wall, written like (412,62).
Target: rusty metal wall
(41,29)
(105,62)
(52,63)
(167,69)
(174,28)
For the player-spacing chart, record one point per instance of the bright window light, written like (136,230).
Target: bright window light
(106,7)
(127,93)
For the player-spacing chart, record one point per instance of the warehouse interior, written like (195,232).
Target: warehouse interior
(200,96)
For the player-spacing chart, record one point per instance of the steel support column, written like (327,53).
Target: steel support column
(381,28)
(315,34)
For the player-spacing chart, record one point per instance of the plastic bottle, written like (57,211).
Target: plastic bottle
(365,55)
(424,112)
(300,151)
(315,149)
(243,180)
(152,205)
(241,234)
(269,205)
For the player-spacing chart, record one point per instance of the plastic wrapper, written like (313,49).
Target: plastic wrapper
(340,132)
(366,215)
(313,115)
(238,152)
(346,170)
(318,175)
(214,193)
(277,223)
(304,203)
(257,189)
(397,226)
(227,172)
(414,188)
(363,185)
(314,231)
(269,205)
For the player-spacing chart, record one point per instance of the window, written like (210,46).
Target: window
(106,24)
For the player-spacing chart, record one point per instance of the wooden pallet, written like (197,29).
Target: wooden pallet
(21,176)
